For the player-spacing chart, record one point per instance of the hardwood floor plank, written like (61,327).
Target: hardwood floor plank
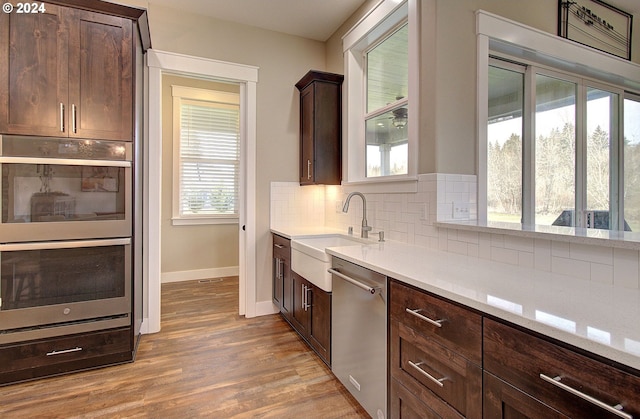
(206,362)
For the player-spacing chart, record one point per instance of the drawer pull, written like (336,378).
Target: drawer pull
(279,246)
(65,351)
(616,410)
(416,312)
(438,381)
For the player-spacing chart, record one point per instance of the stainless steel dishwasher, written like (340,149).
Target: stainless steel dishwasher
(359,334)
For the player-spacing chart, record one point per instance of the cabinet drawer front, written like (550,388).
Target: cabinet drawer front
(404,405)
(502,400)
(281,247)
(424,366)
(521,359)
(60,350)
(459,328)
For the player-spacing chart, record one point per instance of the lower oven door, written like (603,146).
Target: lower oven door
(54,288)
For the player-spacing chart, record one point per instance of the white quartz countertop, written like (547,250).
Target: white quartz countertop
(599,318)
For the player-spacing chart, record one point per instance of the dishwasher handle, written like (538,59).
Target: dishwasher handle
(355,282)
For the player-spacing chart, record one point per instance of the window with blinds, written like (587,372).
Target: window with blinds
(206,153)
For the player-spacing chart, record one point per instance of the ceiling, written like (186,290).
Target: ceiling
(312,19)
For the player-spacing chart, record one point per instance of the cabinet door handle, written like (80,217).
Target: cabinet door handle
(616,410)
(279,246)
(437,323)
(305,297)
(308,169)
(437,381)
(64,351)
(73,119)
(61,117)
(277,268)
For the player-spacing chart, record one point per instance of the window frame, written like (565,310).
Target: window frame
(616,179)
(387,17)
(180,93)
(499,36)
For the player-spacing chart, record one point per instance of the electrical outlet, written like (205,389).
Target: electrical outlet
(460,211)
(338,206)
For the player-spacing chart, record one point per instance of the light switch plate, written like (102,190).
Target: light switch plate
(460,211)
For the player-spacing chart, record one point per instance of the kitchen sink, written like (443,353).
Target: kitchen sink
(310,261)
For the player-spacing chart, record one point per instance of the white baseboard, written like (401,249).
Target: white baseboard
(264,308)
(178,276)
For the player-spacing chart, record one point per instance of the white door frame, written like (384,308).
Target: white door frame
(159,62)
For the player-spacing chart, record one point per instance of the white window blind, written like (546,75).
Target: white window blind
(208,158)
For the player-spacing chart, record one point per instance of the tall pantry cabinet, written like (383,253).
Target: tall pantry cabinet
(73,69)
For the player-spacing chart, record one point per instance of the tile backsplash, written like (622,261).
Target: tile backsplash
(410,218)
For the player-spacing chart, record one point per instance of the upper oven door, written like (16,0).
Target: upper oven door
(61,189)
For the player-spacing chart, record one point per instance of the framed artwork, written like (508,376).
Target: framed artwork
(99,179)
(596,24)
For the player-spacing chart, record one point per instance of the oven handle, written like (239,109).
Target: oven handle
(14,247)
(67,162)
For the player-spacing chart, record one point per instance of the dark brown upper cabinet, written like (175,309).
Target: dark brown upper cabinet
(320,128)
(66,73)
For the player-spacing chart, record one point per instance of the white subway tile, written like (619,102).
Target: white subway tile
(597,254)
(542,255)
(602,273)
(571,267)
(503,255)
(626,268)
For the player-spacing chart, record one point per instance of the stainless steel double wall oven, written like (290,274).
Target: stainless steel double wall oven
(65,236)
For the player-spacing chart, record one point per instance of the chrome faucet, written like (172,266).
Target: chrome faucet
(364,233)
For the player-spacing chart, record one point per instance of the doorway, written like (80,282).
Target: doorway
(159,63)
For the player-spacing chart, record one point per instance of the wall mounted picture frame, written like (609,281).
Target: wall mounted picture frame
(597,25)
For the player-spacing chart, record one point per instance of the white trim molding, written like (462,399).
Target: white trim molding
(159,62)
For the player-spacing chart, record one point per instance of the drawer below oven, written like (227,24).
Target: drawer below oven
(28,360)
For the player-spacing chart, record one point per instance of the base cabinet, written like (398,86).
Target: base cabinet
(566,382)
(311,316)
(430,358)
(447,361)
(282,285)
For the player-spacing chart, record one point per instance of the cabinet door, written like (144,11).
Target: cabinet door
(287,291)
(320,323)
(34,72)
(100,73)
(306,135)
(300,295)
(503,401)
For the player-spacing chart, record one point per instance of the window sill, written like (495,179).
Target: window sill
(203,221)
(390,184)
(588,236)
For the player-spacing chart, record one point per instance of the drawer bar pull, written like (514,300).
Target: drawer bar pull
(65,351)
(416,312)
(616,410)
(438,381)
(279,246)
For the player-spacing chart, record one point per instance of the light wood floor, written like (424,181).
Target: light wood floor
(206,362)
